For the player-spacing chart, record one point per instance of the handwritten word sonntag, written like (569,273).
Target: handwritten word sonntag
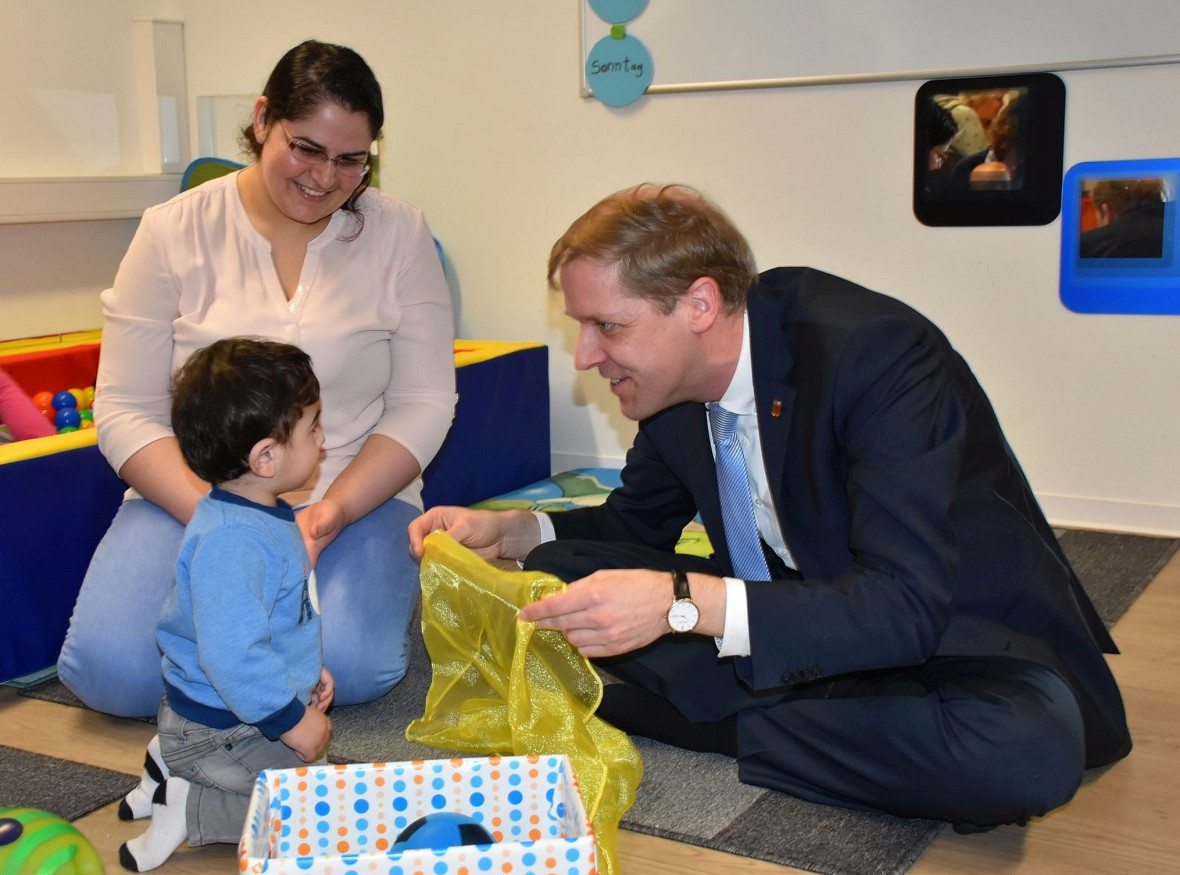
(623,66)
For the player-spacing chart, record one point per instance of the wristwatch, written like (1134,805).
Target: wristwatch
(684,615)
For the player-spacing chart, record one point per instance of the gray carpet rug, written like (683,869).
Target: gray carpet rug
(67,789)
(697,798)
(687,796)
(1113,568)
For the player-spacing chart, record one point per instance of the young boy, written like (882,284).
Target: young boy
(245,686)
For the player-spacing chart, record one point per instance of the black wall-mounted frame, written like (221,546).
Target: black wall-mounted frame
(1010,177)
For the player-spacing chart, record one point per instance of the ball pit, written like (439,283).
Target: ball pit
(68,409)
(502,419)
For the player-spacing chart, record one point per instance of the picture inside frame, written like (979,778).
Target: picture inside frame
(1119,234)
(988,150)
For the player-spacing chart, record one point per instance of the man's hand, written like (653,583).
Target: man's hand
(490,534)
(616,611)
(610,612)
(310,736)
(320,523)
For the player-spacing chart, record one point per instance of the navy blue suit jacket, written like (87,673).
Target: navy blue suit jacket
(909,518)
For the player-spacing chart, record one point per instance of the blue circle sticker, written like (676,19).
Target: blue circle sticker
(617,11)
(618,71)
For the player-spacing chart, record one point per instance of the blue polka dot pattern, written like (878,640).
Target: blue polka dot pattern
(344,820)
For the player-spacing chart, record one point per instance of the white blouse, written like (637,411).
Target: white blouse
(374,313)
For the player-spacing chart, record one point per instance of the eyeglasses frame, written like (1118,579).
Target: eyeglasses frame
(325,158)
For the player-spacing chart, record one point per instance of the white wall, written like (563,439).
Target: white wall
(51,274)
(76,117)
(486,132)
(72,106)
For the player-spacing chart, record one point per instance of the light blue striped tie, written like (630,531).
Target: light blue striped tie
(737,508)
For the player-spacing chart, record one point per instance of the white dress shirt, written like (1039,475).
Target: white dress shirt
(738,398)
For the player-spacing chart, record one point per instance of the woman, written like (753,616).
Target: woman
(973,112)
(998,166)
(294,247)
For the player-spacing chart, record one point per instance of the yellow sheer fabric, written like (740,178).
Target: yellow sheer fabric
(499,686)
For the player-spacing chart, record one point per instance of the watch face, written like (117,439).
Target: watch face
(683,616)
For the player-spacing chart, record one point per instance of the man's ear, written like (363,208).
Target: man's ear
(263,456)
(704,302)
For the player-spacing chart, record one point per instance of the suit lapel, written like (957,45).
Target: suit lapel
(774,397)
(775,401)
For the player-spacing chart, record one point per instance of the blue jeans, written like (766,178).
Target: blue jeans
(368,588)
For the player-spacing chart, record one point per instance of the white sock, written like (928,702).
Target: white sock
(138,803)
(168,830)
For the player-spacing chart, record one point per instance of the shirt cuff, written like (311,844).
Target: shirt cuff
(736,641)
(546,524)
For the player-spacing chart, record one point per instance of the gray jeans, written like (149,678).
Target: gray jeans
(221,765)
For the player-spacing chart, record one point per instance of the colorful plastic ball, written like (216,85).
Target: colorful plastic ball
(67,429)
(64,399)
(89,393)
(87,423)
(79,398)
(87,414)
(443,829)
(43,400)
(37,841)
(67,417)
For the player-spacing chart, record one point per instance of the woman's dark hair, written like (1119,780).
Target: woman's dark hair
(234,393)
(307,76)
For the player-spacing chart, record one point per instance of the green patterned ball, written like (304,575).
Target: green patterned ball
(33,841)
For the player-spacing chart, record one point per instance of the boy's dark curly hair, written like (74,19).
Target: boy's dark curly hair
(234,393)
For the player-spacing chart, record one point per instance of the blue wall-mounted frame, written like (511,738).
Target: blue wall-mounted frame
(1106,280)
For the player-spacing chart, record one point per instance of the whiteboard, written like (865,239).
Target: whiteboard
(725,44)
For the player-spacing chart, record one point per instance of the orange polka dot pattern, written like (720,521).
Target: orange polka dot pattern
(345,819)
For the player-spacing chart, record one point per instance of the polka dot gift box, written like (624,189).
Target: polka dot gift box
(347,819)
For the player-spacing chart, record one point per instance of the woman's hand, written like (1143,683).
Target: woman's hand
(320,523)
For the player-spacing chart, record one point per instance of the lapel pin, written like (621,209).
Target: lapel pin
(776,408)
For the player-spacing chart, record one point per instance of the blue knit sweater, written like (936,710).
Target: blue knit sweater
(240,631)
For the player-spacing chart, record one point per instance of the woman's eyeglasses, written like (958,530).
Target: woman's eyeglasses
(353,166)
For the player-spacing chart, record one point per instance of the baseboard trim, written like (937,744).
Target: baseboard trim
(1112,515)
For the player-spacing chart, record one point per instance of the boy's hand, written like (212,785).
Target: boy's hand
(324,692)
(310,736)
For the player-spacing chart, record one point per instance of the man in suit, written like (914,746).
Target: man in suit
(912,640)
(1131,216)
